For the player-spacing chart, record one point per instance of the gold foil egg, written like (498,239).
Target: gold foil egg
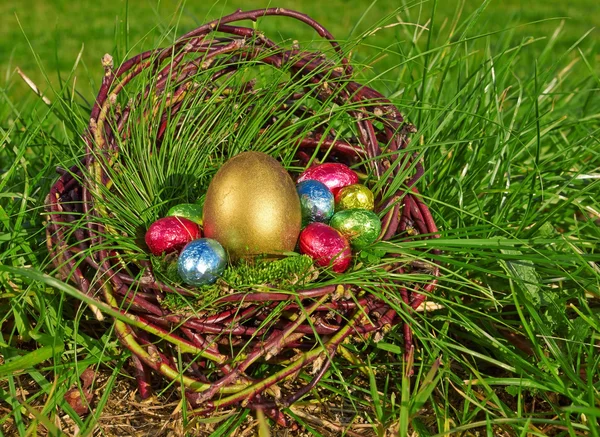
(252,206)
(355,196)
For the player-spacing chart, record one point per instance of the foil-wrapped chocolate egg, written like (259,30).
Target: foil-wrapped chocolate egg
(360,226)
(190,211)
(170,234)
(326,246)
(316,201)
(332,174)
(353,197)
(201,262)
(252,207)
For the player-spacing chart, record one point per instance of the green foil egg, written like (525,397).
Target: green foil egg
(190,211)
(354,197)
(360,226)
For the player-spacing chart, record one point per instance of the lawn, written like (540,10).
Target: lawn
(505,97)
(57,31)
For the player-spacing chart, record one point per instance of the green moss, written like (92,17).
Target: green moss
(296,269)
(287,272)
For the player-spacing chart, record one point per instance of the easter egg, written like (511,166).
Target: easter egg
(316,201)
(190,211)
(252,207)
(170,234)
(354,196)
(332,174)
(360,226)
(326,246)
(201,262)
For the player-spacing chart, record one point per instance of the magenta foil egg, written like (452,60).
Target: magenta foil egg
(170,234)
(326,246)
(334,175)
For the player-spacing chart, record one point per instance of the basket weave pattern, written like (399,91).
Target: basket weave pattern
(216,375)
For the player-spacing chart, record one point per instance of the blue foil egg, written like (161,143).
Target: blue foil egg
(316,201)
(201,262)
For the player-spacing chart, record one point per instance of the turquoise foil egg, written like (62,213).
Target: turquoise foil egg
(316,201)
(201,262)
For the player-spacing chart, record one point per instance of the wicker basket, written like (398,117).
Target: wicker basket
(317,319)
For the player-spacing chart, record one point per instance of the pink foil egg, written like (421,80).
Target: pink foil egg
(334,175)
(326,246)
(170,234)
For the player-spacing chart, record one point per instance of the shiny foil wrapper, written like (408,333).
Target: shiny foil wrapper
(360,226)
(252,207)
(326,246)
(201,262)
(170,234)
(190,211)
(316,202)
(332,174)
(355,196)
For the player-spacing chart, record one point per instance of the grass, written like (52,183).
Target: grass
(508,128)
(58,32)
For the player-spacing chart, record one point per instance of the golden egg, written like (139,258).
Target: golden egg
(252,207)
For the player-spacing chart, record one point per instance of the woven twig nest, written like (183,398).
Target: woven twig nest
(240,354)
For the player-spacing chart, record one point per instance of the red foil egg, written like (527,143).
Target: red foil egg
(169,234)
(326,246)
(335,175)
